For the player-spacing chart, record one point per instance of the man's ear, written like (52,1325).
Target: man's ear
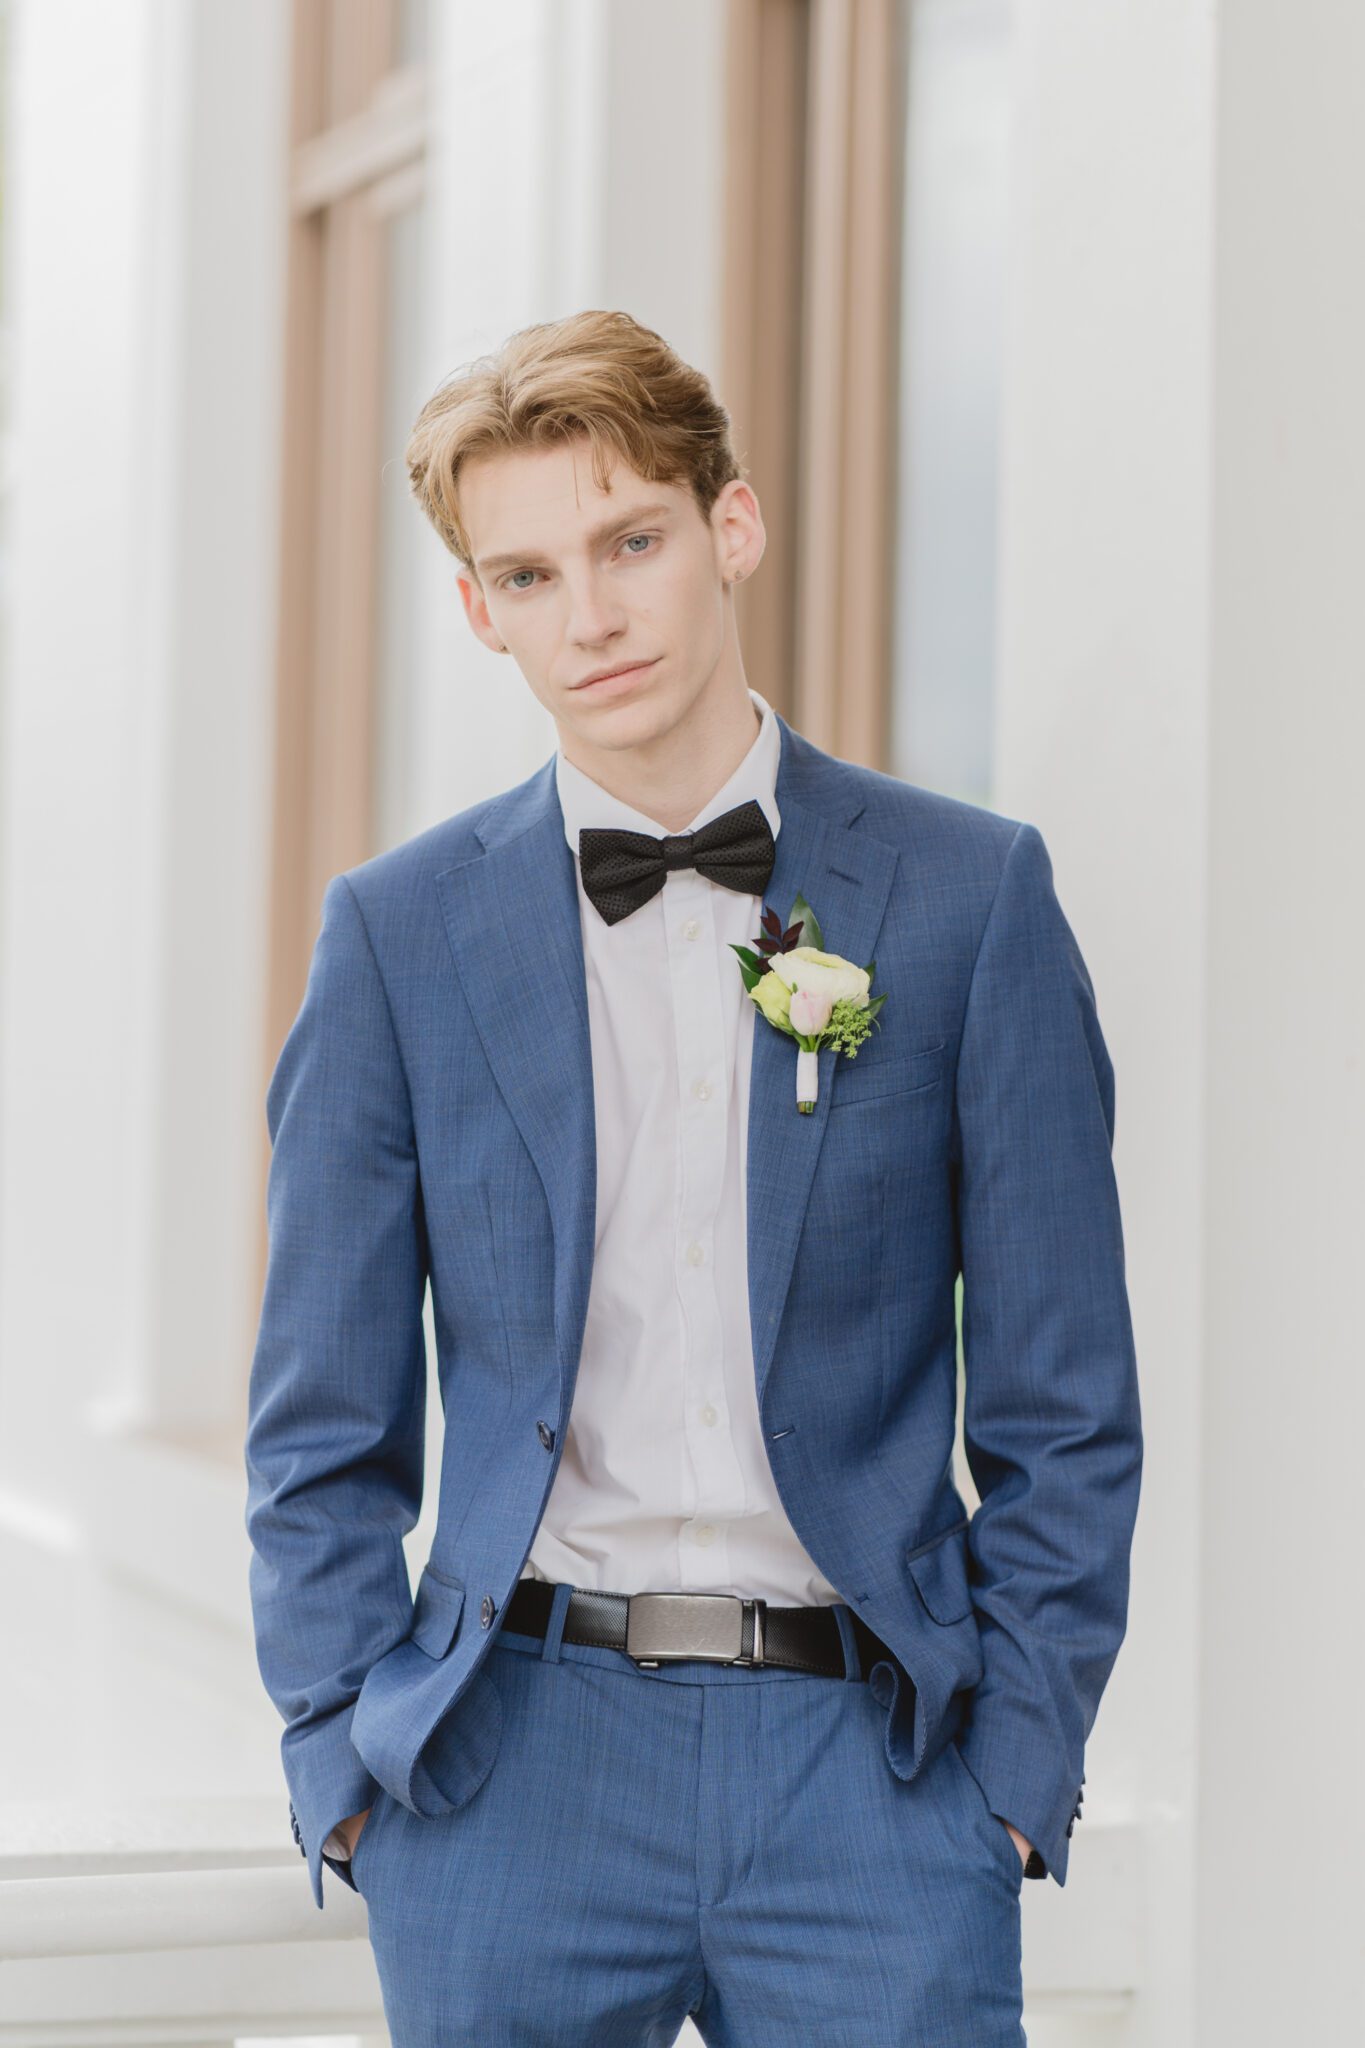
(738,530)
(476,611)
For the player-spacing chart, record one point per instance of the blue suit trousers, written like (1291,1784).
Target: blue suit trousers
(721,1842)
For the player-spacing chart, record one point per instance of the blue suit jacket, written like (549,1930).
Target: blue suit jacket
(432,1121)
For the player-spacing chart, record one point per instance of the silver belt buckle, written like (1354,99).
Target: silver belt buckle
(667,1627)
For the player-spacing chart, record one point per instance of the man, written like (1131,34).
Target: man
(692,1342)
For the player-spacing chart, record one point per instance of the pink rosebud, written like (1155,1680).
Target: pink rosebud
(809,1012)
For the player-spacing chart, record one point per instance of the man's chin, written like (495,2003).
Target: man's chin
(633,721)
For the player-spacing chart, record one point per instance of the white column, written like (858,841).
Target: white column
(1182,713)
(148,186)
(1281,1809)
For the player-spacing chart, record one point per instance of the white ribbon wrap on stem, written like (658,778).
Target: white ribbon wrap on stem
(807,1075)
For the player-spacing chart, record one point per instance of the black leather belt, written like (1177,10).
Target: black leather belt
(719,1628)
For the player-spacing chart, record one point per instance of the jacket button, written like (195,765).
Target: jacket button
(546,1435)
(487,1610)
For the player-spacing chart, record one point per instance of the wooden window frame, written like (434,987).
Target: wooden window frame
(358,143)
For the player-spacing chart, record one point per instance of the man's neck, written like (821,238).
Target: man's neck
(679,773)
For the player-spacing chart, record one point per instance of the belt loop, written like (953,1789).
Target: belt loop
(554,1624)
(844,1620)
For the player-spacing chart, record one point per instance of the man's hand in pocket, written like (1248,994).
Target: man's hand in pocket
(1021,1842)
(350,1829)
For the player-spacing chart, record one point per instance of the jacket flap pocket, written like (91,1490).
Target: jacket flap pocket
(436,1613)
(876,1070)
(940,1575)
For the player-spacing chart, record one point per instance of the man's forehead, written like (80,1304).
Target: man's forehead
(539,504)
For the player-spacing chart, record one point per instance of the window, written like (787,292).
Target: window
(356,191)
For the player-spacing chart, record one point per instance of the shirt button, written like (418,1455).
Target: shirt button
(692,928)
(705,1533)
(702,1090)
(695,1255)
(708,1413)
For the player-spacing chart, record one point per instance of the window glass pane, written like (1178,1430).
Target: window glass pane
(956,220)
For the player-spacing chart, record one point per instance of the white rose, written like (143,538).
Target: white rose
(827,975)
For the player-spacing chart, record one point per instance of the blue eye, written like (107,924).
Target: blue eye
(509,581)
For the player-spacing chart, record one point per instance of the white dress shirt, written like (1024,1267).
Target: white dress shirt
(664,1483)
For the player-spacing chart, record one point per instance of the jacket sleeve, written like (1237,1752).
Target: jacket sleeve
(1051,1421)
(335,1432)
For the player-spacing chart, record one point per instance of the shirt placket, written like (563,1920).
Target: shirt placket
(716,1481)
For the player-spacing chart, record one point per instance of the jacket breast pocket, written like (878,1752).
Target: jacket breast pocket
(436,1613)
(874,1073)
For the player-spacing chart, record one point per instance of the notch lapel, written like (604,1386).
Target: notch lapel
(512,919)
(846,877)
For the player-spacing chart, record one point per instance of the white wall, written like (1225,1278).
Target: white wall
(1280,1902)
(1182,713)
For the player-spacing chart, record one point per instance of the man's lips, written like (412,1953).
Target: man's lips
(622,679)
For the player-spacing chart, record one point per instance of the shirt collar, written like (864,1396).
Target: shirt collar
(585,802)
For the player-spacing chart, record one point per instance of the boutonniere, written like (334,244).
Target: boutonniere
(817,998)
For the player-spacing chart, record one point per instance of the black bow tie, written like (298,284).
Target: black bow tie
(621,870)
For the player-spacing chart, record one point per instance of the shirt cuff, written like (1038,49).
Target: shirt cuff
(335,1845)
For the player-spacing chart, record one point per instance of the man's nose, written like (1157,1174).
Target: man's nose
(593,615)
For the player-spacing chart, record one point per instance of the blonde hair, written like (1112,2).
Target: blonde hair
(595,374)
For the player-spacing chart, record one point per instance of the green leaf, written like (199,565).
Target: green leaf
(746,954)
(810,927)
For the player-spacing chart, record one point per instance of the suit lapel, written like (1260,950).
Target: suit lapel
(846,878)
(512,919)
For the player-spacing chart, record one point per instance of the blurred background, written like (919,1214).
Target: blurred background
(1041,323)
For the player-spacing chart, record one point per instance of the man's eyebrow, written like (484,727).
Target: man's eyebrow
(490,564)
